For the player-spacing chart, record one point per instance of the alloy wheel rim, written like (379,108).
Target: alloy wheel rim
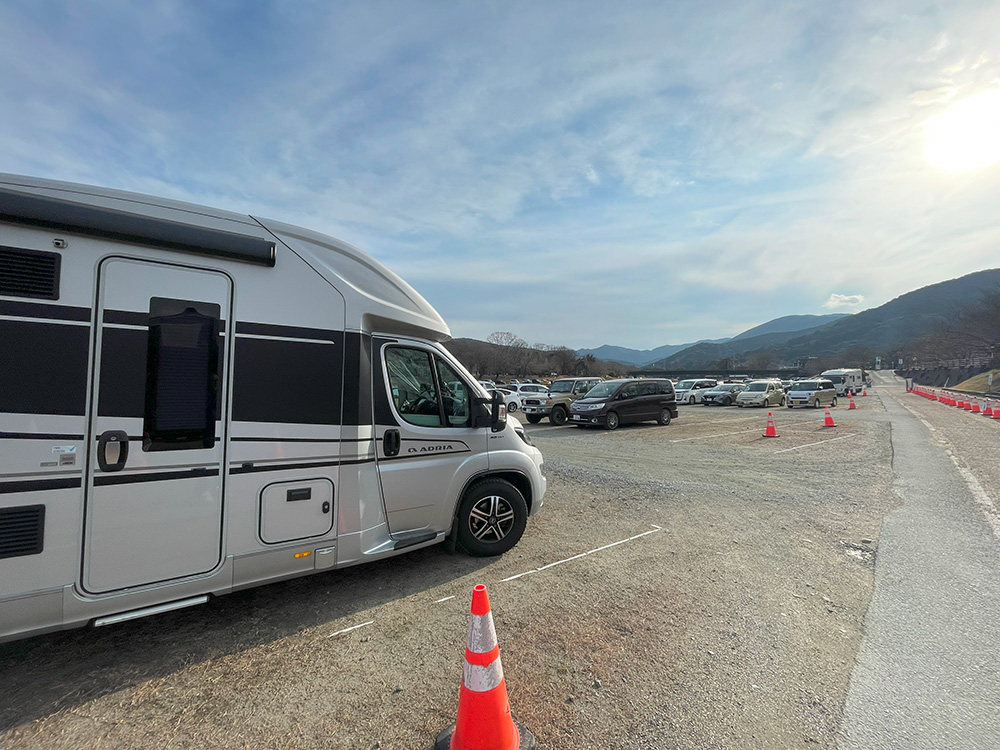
(491,519)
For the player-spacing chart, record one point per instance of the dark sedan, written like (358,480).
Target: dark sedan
(724,394)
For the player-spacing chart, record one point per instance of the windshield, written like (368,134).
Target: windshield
(806,385)
(723,388)
(685,385)
(757,387)
(603,390)
(561,386)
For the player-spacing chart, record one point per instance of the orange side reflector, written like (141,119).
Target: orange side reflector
(303,554)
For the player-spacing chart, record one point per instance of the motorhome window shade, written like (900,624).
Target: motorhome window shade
(182,375)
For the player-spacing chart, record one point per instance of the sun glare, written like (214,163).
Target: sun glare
(967,134)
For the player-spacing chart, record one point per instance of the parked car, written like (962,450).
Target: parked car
(555,404)
(815,393)
(526,389)
(510,398)
(762,393)
(616,402)
(691,391)
(723,394)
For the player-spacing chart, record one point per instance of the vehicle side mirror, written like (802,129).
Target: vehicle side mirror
(494,415)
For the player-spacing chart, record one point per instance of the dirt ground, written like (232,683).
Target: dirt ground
(728,614)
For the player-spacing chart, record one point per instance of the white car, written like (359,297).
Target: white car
(510,398)
(691,391)
(526,389)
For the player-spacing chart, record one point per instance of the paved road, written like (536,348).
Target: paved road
(928,671)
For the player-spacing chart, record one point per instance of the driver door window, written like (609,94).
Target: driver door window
(412,385)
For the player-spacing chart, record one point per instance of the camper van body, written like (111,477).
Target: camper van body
(194,401)
(847,382)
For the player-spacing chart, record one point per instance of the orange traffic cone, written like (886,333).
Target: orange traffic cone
(828,422)
(996,410)
(850,397)
(484,720)
(770,431)
(864,390)
(967,405)
(988,411)
(975,406)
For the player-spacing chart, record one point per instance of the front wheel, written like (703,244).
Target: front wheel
(664,418)
(612,420)
(533,418)
(690,399)
(727,401)
(491,518)
(512,407)
(834,401)
(782,402)
(816,404)
(558,415)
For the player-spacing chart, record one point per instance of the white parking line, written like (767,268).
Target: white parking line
(444,599)
(348,630)
(831,440)
(583,554)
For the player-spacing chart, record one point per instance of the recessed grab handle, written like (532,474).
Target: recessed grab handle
(120,437)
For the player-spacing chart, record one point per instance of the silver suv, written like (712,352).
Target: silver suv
(815,393)
(555,403)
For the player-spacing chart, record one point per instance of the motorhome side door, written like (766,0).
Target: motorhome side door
(425,441)
(159,393)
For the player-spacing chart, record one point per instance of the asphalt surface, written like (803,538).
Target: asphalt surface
(928,670)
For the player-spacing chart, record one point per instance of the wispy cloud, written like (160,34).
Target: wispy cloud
(843,301)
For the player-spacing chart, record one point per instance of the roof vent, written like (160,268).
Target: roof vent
(29,273)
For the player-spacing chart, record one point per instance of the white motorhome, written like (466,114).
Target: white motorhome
(194,401)
(846,381)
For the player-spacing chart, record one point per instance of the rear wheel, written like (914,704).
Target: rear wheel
(834,401)
(664,418)
(816,404)
(512,407)
(782,402)
(558,415)
(727,401)
(491,518)
(690,399)
(612,421)
(533,418)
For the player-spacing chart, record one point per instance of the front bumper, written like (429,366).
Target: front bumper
(586,418)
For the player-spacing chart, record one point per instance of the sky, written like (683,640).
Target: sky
(577,173)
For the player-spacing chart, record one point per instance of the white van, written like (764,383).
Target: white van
(690,391)
(194,401)
(846,381)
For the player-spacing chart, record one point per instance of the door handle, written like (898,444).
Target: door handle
(107,438)
(391,442)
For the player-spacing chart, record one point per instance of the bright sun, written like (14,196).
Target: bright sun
(967,134)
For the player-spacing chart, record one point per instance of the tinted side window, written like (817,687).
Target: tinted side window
(666,388)
(182,375)
(647,389)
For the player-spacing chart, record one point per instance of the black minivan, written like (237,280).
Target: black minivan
(616,402)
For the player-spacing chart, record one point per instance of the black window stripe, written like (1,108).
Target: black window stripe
(48,312)
(39,485)
(44,368)
(287,332)
(37,436)
(163,476)
(141,319)
(248,468)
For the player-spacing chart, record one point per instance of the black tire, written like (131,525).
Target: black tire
(664,418)
(816,404)
(558,415)
(491,518)
(834,401)
(533,418)
(789,404)
(612,421)
(690,400)
(782,402)
(512,407)
(727,401)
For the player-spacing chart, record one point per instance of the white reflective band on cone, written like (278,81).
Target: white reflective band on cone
(481,679)
(482,635)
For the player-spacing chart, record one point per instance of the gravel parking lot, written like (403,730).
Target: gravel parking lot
(728,614)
